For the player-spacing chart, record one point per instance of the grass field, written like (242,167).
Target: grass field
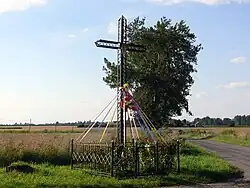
(38,146)
(197,166)
(41,128)
(244,131)
(231,135)
(48,133)
(44,146)
(234,136)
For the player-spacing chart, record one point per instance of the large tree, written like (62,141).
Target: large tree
(160,77)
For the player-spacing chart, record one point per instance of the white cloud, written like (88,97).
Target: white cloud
(19,5)
(72,36)
(206,2)
(201,94)
(238,60)
(236,85)
(78,33)
(85,30)
(112,28)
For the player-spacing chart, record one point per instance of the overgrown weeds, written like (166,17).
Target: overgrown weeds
(38,148)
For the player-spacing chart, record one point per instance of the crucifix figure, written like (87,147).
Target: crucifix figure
(122,46)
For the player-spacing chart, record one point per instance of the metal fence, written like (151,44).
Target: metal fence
(134,159)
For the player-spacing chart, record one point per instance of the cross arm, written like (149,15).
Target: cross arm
(107,44)
(135,47)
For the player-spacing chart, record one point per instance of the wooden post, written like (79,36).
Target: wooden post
(178,157)
(71,153)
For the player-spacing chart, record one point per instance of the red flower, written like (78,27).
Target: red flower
(134,108)
(127,98)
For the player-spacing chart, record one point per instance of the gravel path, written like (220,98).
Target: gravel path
(236,155)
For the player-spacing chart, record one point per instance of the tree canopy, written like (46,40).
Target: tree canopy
(160,77)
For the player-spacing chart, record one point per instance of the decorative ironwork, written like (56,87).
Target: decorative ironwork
(136,159)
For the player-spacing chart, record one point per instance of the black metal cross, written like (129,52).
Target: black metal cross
(123,46)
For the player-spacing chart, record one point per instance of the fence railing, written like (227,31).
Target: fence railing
(134,159)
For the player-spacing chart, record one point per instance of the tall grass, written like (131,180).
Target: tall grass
(231,136)
(39,148)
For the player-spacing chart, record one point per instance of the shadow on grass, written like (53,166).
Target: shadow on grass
(204,138)
(84,186)
(192,178)
(213,176)
(208,137)
(94,186)
(176,180)
(192,151)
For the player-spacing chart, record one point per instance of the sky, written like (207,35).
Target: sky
(51,70)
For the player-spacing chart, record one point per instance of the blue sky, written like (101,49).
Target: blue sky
(50,69)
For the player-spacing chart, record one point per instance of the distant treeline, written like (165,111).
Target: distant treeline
(78,124)
(238,120)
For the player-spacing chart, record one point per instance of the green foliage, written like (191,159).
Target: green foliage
(242,120)
(160,77)
(238,120)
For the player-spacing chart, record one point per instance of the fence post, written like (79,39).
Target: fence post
(178,157)
(112,157)
(134,157)
(71,153)
(156,157)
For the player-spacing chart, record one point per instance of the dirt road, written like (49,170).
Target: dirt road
(236,155)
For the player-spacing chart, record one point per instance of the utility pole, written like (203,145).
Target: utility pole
(30,125)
